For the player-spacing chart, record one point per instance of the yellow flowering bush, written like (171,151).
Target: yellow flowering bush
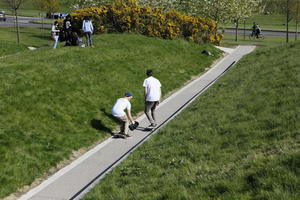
(131,17)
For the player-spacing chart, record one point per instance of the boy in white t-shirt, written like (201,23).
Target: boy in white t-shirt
(118,111)
(152,91)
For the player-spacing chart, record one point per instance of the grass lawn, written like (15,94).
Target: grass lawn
(28,36)
(239,140)
(28,8)
(7,48)
(50,99)
(229,41)
(266,22)
(50,21)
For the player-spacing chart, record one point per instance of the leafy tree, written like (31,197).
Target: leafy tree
(15,5)
(240,10)
(297,16)
(289,8)
(77,4)
(48,6)
(218,10)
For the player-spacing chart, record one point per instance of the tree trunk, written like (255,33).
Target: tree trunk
(17,26)
(287,20)
(244,29)
(236,29)
(296,32)
(297,21)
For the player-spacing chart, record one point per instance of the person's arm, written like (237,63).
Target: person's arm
(158,102)
(92,27)
(145,93)
(54,30)
(128,113)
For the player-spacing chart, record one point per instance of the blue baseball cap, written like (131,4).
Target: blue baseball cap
(128,94)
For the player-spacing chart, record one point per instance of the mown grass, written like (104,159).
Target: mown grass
(7,48)
(276,22)
(28,8)
(239,140)
(35,37)
(29,37)
(56,101)
(229,40)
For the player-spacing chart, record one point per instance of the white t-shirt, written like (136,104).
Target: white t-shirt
(153,89)
(119,107)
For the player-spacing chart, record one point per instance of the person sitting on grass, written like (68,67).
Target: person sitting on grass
(118,111)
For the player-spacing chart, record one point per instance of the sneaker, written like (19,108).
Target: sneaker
(122,134)
(153,125)
(127,135)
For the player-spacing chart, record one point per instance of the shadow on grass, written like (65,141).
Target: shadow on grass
(44,37)
(110,116)
(98,125)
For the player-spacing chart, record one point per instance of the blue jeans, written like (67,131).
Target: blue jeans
(88,36)
(55,41)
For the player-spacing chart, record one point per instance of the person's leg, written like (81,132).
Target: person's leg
(55,42)
(153,112)
(68,38)
(90,39)
(86,39)
(148,106)
(123,122)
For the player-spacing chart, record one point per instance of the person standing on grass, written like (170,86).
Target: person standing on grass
(118,111)
(55,34)
(152,93)
(87,29)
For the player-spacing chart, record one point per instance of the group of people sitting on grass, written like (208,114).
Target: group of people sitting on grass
(152,94)
(69,32)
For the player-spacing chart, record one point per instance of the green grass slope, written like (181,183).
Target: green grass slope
(56,101)
(7,48)
(28,37)
(239,140)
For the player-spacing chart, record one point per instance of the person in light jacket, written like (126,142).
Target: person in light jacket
(88,29)
(55,34)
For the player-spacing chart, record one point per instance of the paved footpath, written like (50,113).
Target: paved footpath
(73,181)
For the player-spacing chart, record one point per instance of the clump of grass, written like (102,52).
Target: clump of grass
(7,48)
(29,36)
(56,101)
(239,140)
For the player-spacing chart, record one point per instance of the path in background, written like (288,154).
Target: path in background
(73,181)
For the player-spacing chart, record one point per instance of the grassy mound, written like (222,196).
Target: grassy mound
(239,140)
(56,101)
(7,48)
(29,37)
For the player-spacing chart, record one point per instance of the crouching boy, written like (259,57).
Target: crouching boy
(118,111)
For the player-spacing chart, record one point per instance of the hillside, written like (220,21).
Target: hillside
(51,99)
(239,140)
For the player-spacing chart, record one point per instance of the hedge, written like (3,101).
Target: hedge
(130,17)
